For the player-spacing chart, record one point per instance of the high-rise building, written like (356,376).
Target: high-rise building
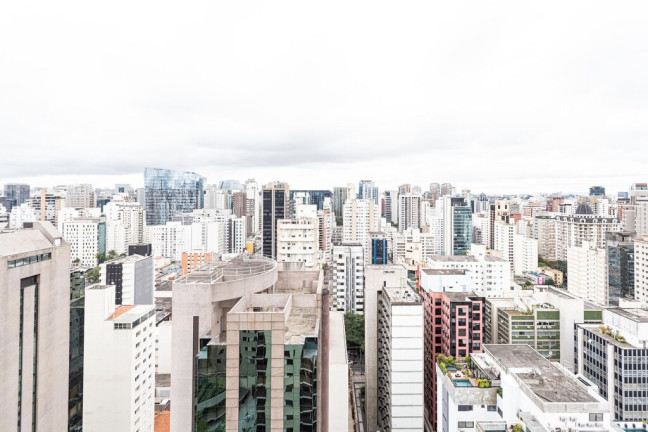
(400,360)
(614,356)
(587,269)
(275,207)
(597,191)
(243,358)
(80,196)
(583,225)
(310,197)
(361,217)
(525,254)
(391,206)
(16,194)
(504,233)
(339,198)
(409,211)
(118,363)
(544,230)
(457,219)
(47,205)
(454,327)
(620,266)
(446,189)
(125,225)
(87,238)
(379,253)
(641,271)
(252,192)
(298,241)
(367,190)
(77,316)
(133,277)
(35,316)
(171,192)
(349,263)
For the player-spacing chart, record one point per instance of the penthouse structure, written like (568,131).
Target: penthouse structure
(245,347)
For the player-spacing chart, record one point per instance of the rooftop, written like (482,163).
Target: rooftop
(404,295)
(459,296)
(128,314)
(548,382)
(23,241)
(634,314)
(444,272)
(127,259)
(301,322)
(454,258)
(240,267)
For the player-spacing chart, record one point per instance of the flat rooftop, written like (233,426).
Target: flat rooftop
(459,296)
(444,272)
(634,314)
(549,383)
(404,295)
(21,241)
(301,322)
(454,258)
(127,259)
(222,271)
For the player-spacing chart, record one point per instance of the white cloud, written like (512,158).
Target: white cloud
(496,96)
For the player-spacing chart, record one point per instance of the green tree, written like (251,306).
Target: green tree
(112,254)
(354,330)
(92,275)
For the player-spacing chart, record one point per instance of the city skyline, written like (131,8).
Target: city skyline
(504,97)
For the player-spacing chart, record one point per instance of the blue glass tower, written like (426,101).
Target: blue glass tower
(170,192)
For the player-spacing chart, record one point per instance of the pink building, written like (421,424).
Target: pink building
(453,326)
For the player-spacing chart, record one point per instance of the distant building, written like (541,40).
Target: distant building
(171,192)
(87,239)
(409,211)
(15,194)
(361,217)
(597,191)
(47,205)
(143,249)
(298,241)
(349,264)
(368,190)
(379,253)
(35,315)
(80,196)
(275,205)
(457,220)
(620,266)
(587,269)
(311,197)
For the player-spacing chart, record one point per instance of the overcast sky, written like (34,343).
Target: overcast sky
(495,96)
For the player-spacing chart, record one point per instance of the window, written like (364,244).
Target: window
(465,424)
(596,417)
(465,408)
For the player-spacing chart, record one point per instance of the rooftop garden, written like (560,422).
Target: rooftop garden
(461,371)
(607,330)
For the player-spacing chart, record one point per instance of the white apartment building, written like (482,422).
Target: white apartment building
(400,360)
(522,388)
(481,227)
(409,211)
(236,234)
(21,214)
(217,199)
(490,275)
(504,241)
(80,196)
(298,240)
(87,238)
(349,278)
(641,270)
(413,246)
(170,240)
(573,230)
(252,192)
(544,230)
(326,221)
(125,225)
(35,320)
(118,364)
(587,269)
(360,217)
(525,254)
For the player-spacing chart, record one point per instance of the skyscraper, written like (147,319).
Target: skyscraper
(169,192)
(367,190)
(275,207)
(457,221)
(35,316)
(16,194)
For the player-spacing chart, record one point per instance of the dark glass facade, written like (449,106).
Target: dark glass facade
(254,380)
(461,229)
(77,310)
(378,251)
(210,387)
(170,192)
(274,208)
(620,251)
(300,386)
